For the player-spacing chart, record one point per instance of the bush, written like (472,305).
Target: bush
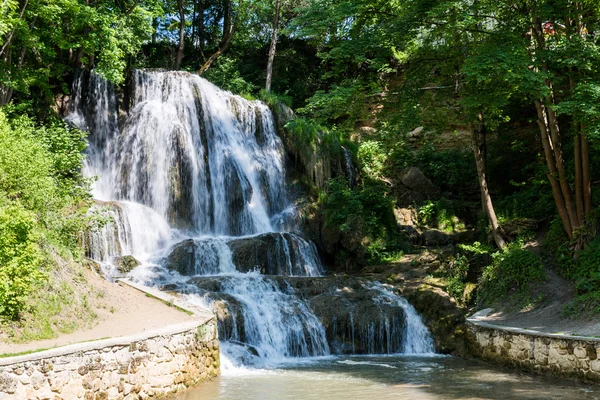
(440,214)
(20,258)
(372,158)
(586,274)
(511,274)
(556,249)
(42,203)
(365,211)
(226,75)
(451,170)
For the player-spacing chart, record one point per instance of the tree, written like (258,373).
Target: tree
(273,46)
(38,53)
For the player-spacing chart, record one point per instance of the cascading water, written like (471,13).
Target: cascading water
(192,183)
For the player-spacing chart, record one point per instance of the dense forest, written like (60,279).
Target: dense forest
(475,120)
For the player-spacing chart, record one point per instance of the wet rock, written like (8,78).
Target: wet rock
(182,258)
(355,320)
(202,256)
(126,263)
(274,254)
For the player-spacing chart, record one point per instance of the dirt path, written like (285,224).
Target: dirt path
(122,311)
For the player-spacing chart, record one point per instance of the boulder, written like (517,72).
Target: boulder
(275,254)
(182,258)
(405,216)
(355,319)
(415,180)
(125,264)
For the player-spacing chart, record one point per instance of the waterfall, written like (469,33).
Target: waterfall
(349,167)
(191,183)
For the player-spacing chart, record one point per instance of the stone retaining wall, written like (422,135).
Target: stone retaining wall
(135,367)
(562,355)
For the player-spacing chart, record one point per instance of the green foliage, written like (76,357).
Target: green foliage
(440,214)
(273,99)
(20,258)
(512,274)
(41,193)
(450,170)
(225,74)
(585,271)
(366,213)
(372,158)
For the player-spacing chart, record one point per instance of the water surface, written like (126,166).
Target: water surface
(387,377)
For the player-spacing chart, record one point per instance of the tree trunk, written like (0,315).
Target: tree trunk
(227,39)
(226,19)
(273,47)
(217,53)
(154,29)
(585,167)
(477,143)
(181,35)
(552,173)
(201,29)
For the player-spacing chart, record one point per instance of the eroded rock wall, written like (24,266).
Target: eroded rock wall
(146,368)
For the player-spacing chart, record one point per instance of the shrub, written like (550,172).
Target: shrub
(512,273)
(42,203)
(20,258)
(440,214)
(372,158)
(451,170)
(226,75)
(365,211)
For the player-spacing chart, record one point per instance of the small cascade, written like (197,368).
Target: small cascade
(129,228)
(191,183)
(350,174)
(274,324)
(416,337)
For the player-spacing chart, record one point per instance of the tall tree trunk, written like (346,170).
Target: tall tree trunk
(552,173)
(201,29)
(273,47)
(585,167)
(154,29)
(551,140)
(478,144)
(181,35)
(227,20)
(227,39)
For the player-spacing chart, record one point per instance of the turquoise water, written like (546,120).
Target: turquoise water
(387,377)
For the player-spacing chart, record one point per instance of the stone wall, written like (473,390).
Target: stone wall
(136,367)
(561,355)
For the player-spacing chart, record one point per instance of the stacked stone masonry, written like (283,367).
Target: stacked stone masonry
(565,356)
(148,367)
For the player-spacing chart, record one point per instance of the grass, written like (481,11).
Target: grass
(60,306)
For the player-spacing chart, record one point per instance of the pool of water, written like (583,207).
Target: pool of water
(386,377)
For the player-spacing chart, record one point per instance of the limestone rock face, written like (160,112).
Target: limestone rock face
(414,179)
(274,254)
(271,253)
(413,187)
